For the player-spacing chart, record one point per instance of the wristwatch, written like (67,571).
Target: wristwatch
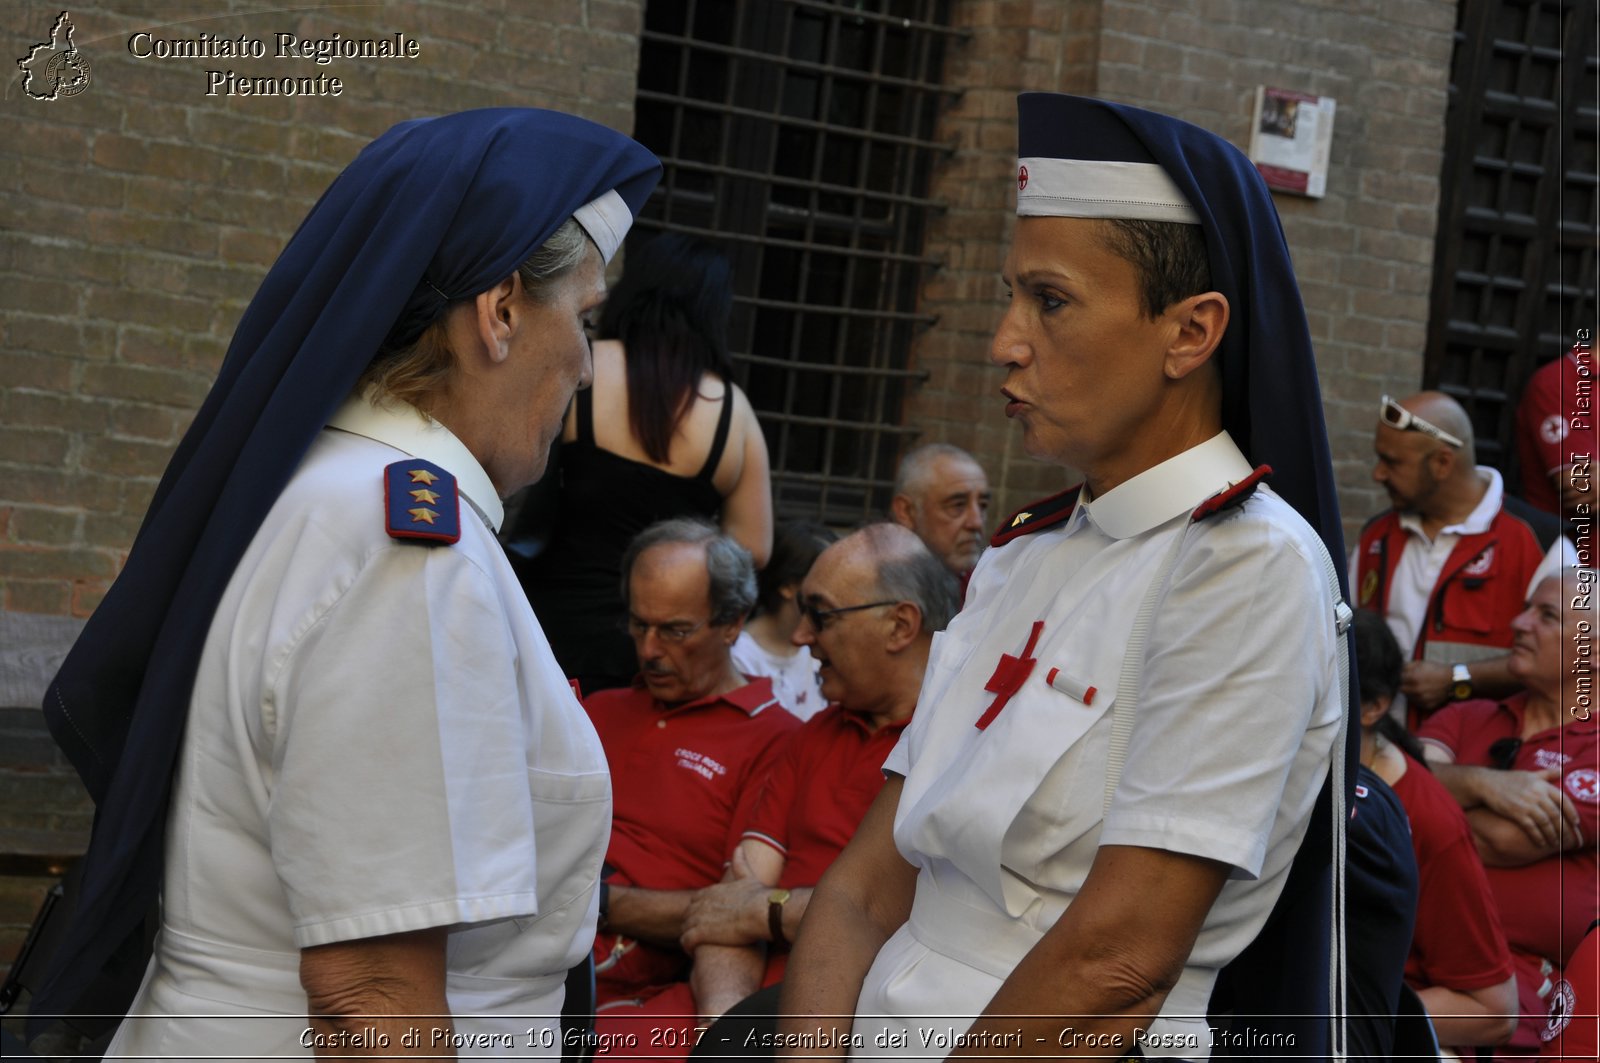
(775,902)
(1461,680)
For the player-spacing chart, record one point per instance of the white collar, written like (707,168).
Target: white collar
(1163,491)
(1482,514)
(409,430)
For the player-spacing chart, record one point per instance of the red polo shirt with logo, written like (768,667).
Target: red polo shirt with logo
(1546,906)
(683,779)
(819,790)
(814,800)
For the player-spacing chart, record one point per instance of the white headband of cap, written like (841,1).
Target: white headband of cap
(1080,188)
(606,219)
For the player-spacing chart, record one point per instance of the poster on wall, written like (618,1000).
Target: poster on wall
(1290,138)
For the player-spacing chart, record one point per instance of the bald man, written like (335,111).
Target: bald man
(1454,558)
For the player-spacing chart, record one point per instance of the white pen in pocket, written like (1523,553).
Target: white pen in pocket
(1071,686)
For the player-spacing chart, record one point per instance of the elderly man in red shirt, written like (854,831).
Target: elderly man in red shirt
(870,605)
(1527,772)
(689,744)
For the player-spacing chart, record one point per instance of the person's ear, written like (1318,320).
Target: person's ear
(1199,322)
(903,511)
(495,317)
(907,620)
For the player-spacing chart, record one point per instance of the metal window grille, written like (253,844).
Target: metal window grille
(1514,273)
(799,135)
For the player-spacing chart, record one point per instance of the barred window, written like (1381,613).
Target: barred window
(799,135)
(1519,219)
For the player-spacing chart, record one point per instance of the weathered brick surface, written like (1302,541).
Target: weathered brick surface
(140,215)
(1363,253)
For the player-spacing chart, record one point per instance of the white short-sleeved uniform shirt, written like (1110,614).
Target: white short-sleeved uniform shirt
(1238,708)
(379,741)
(794,678)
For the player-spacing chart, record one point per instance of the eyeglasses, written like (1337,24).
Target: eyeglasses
(1401,419)
(819,617)
(637,630)
(1503,752)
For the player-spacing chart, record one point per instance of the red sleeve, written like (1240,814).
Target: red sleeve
(1445,728)
(769,816)
(1458,942)
(757,776)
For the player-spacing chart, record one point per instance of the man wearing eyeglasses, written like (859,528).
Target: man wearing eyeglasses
(870,606)
(690,744)
(1451,562)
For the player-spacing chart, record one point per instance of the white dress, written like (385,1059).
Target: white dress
(379,741)
(1237,713)
(794,678)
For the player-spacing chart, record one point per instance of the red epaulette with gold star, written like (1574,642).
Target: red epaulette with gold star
(1046,513)
(421,502)
(1231,496)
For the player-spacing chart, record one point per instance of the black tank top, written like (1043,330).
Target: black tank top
(575,584)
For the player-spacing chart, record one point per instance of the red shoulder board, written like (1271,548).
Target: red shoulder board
(420,501)
(1232,496)
(1046,513)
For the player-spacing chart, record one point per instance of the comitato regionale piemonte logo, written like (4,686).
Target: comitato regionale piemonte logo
(55,69)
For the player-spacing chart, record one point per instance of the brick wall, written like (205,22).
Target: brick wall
(143,213)
(140,216)
(1363,253)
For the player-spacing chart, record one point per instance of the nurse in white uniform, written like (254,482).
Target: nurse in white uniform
(389,810)
(1121,737)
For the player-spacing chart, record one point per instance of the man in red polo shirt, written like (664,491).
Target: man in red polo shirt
(1527,772)
(871,604)
(689,745)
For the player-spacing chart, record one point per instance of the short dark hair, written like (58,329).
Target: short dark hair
(730,566)
(1169,256)
(795,546)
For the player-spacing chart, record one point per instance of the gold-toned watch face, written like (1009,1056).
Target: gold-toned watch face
(1462,691)
(778,896)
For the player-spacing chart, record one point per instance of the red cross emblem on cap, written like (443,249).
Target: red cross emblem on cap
(1009,675)
(1022,178)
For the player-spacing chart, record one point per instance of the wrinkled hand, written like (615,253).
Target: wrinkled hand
(1533,801)
(1426,684)
(728,913)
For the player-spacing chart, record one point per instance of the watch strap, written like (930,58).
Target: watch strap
(775,902)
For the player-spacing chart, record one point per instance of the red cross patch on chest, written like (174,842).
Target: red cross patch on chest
(1009,675)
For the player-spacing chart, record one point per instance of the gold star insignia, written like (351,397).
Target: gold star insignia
(1019,518)
(422,494)
(421,476)
(422,515)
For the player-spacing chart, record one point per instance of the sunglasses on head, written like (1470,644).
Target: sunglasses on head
(1401,419)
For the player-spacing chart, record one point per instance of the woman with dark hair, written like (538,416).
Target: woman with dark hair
(766,645)
(664,432)
(1459,964)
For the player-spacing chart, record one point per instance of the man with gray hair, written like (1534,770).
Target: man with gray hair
(689,745)
(1453,560)
(942,494)
(869,605)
